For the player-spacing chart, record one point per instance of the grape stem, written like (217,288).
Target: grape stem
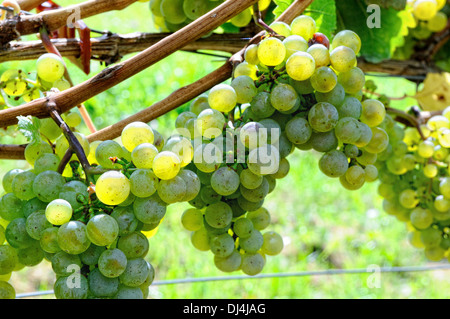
(407,119)
(260,22)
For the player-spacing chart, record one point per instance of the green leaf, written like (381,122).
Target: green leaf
(29,127)
(394,4)
(378,44)
(282,5)
(324,12)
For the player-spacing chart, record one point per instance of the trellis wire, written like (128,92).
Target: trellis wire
(329,272)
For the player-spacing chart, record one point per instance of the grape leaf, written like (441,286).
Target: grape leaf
(324,12)
(395,4)
(282,5)
(435,94)
(378,44)
(29,127)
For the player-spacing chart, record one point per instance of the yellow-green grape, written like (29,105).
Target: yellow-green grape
(294,43)
(33,150)
(373,112)
(172,11)
(284,97)
(61,84)
(440,153)
(72,119)
(31,95)
(444,187)
(408,198)
(246,68)
(91,157)
(208,157)
(347,38)
(343,59)
(281,28)
(136,133)
(251,54)
(438,121)
(438,22)
(155,7)
(425,9)
(304,26)
(396,166)
(371,173)
(441,204)
(50,67)
(242,19)
(355,175)
(421,218)
(434,253)
(271,51)
(166,165)
(200,239)
(222,98)
(352,81)
(263,4)
(210,123)
(62,145)
(425,149)
(379,141)
(300,66)
(58,212)
(320,53)
(112,188)
(430,170)
(414,239)
(13,84)
(323,79)
(182,147)
(444,137)
(192,219)
(272,244)
(142,156)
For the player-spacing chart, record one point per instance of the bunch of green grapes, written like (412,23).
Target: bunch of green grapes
(429,17)
(172,15)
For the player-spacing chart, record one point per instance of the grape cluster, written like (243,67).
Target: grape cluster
(172,15)
(428,16)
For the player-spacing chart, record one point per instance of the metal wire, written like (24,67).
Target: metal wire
(328,272)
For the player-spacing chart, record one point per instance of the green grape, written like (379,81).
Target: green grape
(199,104)
(261,105)
(247,205)
(249,179)
(438,121)
(343,59)
(225,181)
(251,54)
(350,107)
(301,87)
(72,119)
(208,157)
(256,194)
(72,237)
(431,237)
(126,292)
(252,243)
(101,286)
(200,239)
(133,245)
(47,185)
(438,22)
(194,9)
(294,43)
(61,262)
(260,218)
(75,192)
(304,26)
(149,210)
(183,117)
(7,291)
(366,158)
(192,219)
(272,244)
(273,130)
(143,183)
(65,289)
(430,170)
(192,182)
(62,145)
(414,239)
(320,53)
(22,185)
(347,38)
(49,240)
(50,67)
(2,235)
(8,259)
(425,9)
(323,79)
(441,203)
(166,165)
(245,88)
(323,117)
(379,141)
(271,51)
(36,223)
(155,7)
(434,253)
(245,68)
(281,28)
(172,11)
(242,19)
(46,162)
(222,245)
(107,149)
(229,263)
(421,218)
(355,175)
(62,84)
(253,134)
(126,219)
(210,123)
(357,185)
(347,130)
(283,169)
(135,273)
(425,149)
(16,234)
(182,147)
(8,178)
(172,190)
(352,81)
(10,207)
(243,227)
(333,163)
(252,263)
(373,112)
(366,135)
(112,188)
(371,173)
(49,129)
(136,133)
(33,150)
(263,160)
(284,97)
(102,230)
(300,66)
(222,98)
(218,214)
(351,151)
(112,263)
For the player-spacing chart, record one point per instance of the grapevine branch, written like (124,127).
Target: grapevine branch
(29,5)
(116,74)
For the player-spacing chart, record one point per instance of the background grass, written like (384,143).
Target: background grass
(323,225)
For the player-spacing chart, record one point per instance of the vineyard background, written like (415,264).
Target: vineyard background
(323,225)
